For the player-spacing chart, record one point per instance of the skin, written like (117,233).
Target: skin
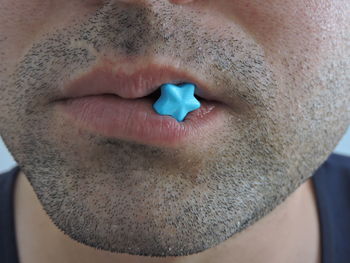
(286,60)
(290,233)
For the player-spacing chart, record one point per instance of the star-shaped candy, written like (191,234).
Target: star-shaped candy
(176,100)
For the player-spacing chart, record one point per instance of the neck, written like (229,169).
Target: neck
(290,233)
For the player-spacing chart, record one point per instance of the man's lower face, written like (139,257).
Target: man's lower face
(76,113)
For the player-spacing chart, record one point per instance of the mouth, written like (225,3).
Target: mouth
(114,104)
(154,95)
(141,83)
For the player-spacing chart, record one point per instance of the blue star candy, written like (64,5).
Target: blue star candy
(176,100)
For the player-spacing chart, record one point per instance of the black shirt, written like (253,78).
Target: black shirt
(332,185)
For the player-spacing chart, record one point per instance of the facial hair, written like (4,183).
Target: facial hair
(125,197)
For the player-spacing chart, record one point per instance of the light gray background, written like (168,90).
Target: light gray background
(7,161)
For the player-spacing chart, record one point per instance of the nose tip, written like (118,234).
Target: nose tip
(177,2)
(181,2)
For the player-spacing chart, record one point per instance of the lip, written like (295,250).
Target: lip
(140,83)
(135,120)
(112,103)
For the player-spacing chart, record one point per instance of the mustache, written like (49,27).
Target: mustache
(137,29)
(235,62)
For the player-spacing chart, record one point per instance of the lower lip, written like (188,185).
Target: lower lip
(136,120)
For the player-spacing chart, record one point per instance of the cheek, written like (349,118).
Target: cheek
(24,21)
(287,24)
(290,27)
(20,20)
(298,36)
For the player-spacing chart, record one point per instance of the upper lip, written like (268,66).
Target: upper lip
(139,83)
